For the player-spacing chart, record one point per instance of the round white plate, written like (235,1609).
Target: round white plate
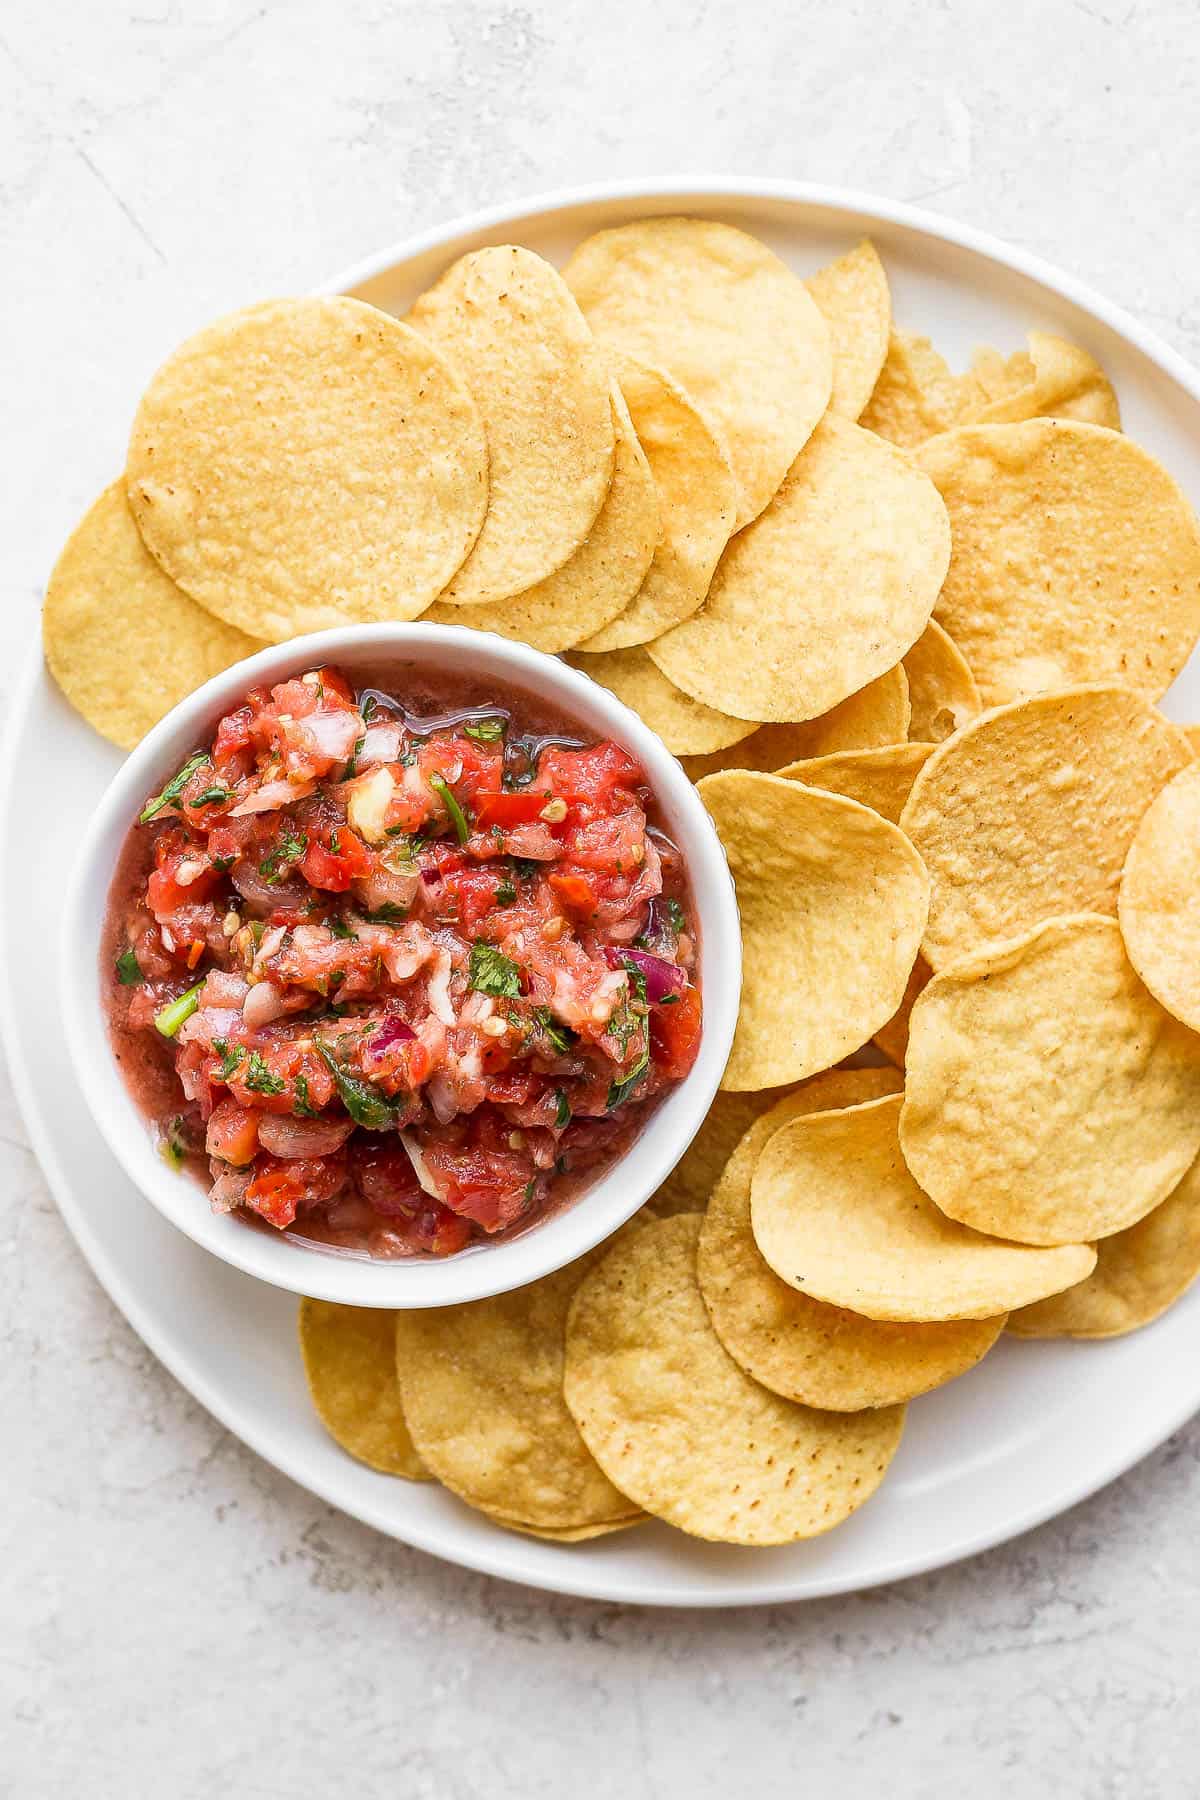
(1035,1428)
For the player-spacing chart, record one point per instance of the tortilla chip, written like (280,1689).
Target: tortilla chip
(350,1361)
(942,691)
(694,1177)
(569,1534)
(878,714)
(833,901)
(684,725)
(1049,1098)
(482,1390)
(732,324)
(892,1038)
(1076,558)
(595,584)
(666,1410)
(1138,1274)
(1159,906)
(543,389)
(853,294)
(1054,379)
(838,1216)
(123,642)
(816,1354)
(824,592)
(1192,734)
(881,779)
(308,463)
(697,496)
(916,395)
(1028,812)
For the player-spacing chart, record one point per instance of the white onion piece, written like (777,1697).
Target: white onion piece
(271,796)
(381,743)
(262,1005)
(439,990)
(420,1167)
(334,733)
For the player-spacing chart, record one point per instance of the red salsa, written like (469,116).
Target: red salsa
(396,978)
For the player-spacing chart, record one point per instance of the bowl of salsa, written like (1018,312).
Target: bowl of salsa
(401,964)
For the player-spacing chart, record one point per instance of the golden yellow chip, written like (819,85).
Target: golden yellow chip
(1138,1274)
(1029,811)
(685,725)
(838,1216)
(878,714)
(123,642)
(833,901)
(595,584)
(482,1391)
(509,324)
(697,496)
(308,463)
(1076,558)
(673,1419)
(732,324)
(350,1361)
(1055,379)
(824,592)
(942,692)
(892,1038)
(916,394)
(853,294)
(1159,905)
(1048,1096)
(568,1534)
(1192,734)
(881,779)
(799,1347)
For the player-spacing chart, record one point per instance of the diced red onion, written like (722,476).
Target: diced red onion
(289,1137)
(392,1029)
(431,877)
(662,977)
(271,796)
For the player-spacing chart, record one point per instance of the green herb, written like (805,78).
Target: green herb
(170,1017)
(173,789)
(637,981)
(486,731)
(352,765)
(129,971)
(173,1145)
(258,1077)
(669,1000)
(222,864)
(506,893)
(289,849)
(213,796)
(304,1106)
(230,1055)
(458,817)
(675,914)
(493,973)
(562,1107)
(530,1189)
(561,1036)
(387,914)
(526,867)
(335,843)
(561,1165)
(621,1090)
(339,928)
(366,1106)
(369,708)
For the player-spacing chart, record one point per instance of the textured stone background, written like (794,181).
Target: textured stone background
(175,1618)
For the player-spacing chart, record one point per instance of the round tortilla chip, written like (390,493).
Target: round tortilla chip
(123,642)
(916,395)
(696,1174)
(942,692)
(853,295)
(838,1216)
(1138,1274)
(666,1410)
(824,592)
(877,714)
(482,1391)
(350,1361)
(685,725)
(569,1534)
(881,779)
(833,901)
(1029,811)
(1159,903)
(697,496)
(1192,734)
(1054,379)
(1076,558)
(892,1038)
(595,584)
(543,389)
(308,463)
(1048,1096)
(801,1348)
(729,321)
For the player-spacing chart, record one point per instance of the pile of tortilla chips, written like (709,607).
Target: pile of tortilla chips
(908,630)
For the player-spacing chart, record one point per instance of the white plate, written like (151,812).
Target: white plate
(1035,1428)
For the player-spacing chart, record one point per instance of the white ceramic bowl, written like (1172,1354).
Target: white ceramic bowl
(485,1268)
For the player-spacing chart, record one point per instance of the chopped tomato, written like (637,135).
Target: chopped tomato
(505,810)
(232,1133)
(675,1035)
(333,864)
(577,893)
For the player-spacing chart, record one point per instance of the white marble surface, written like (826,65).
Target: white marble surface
(175,1618)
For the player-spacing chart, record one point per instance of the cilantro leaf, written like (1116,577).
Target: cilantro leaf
(486,731)
(129,971)
(366,1106)
(230,1054)
(173,789)
(493,973)
(258,1077)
